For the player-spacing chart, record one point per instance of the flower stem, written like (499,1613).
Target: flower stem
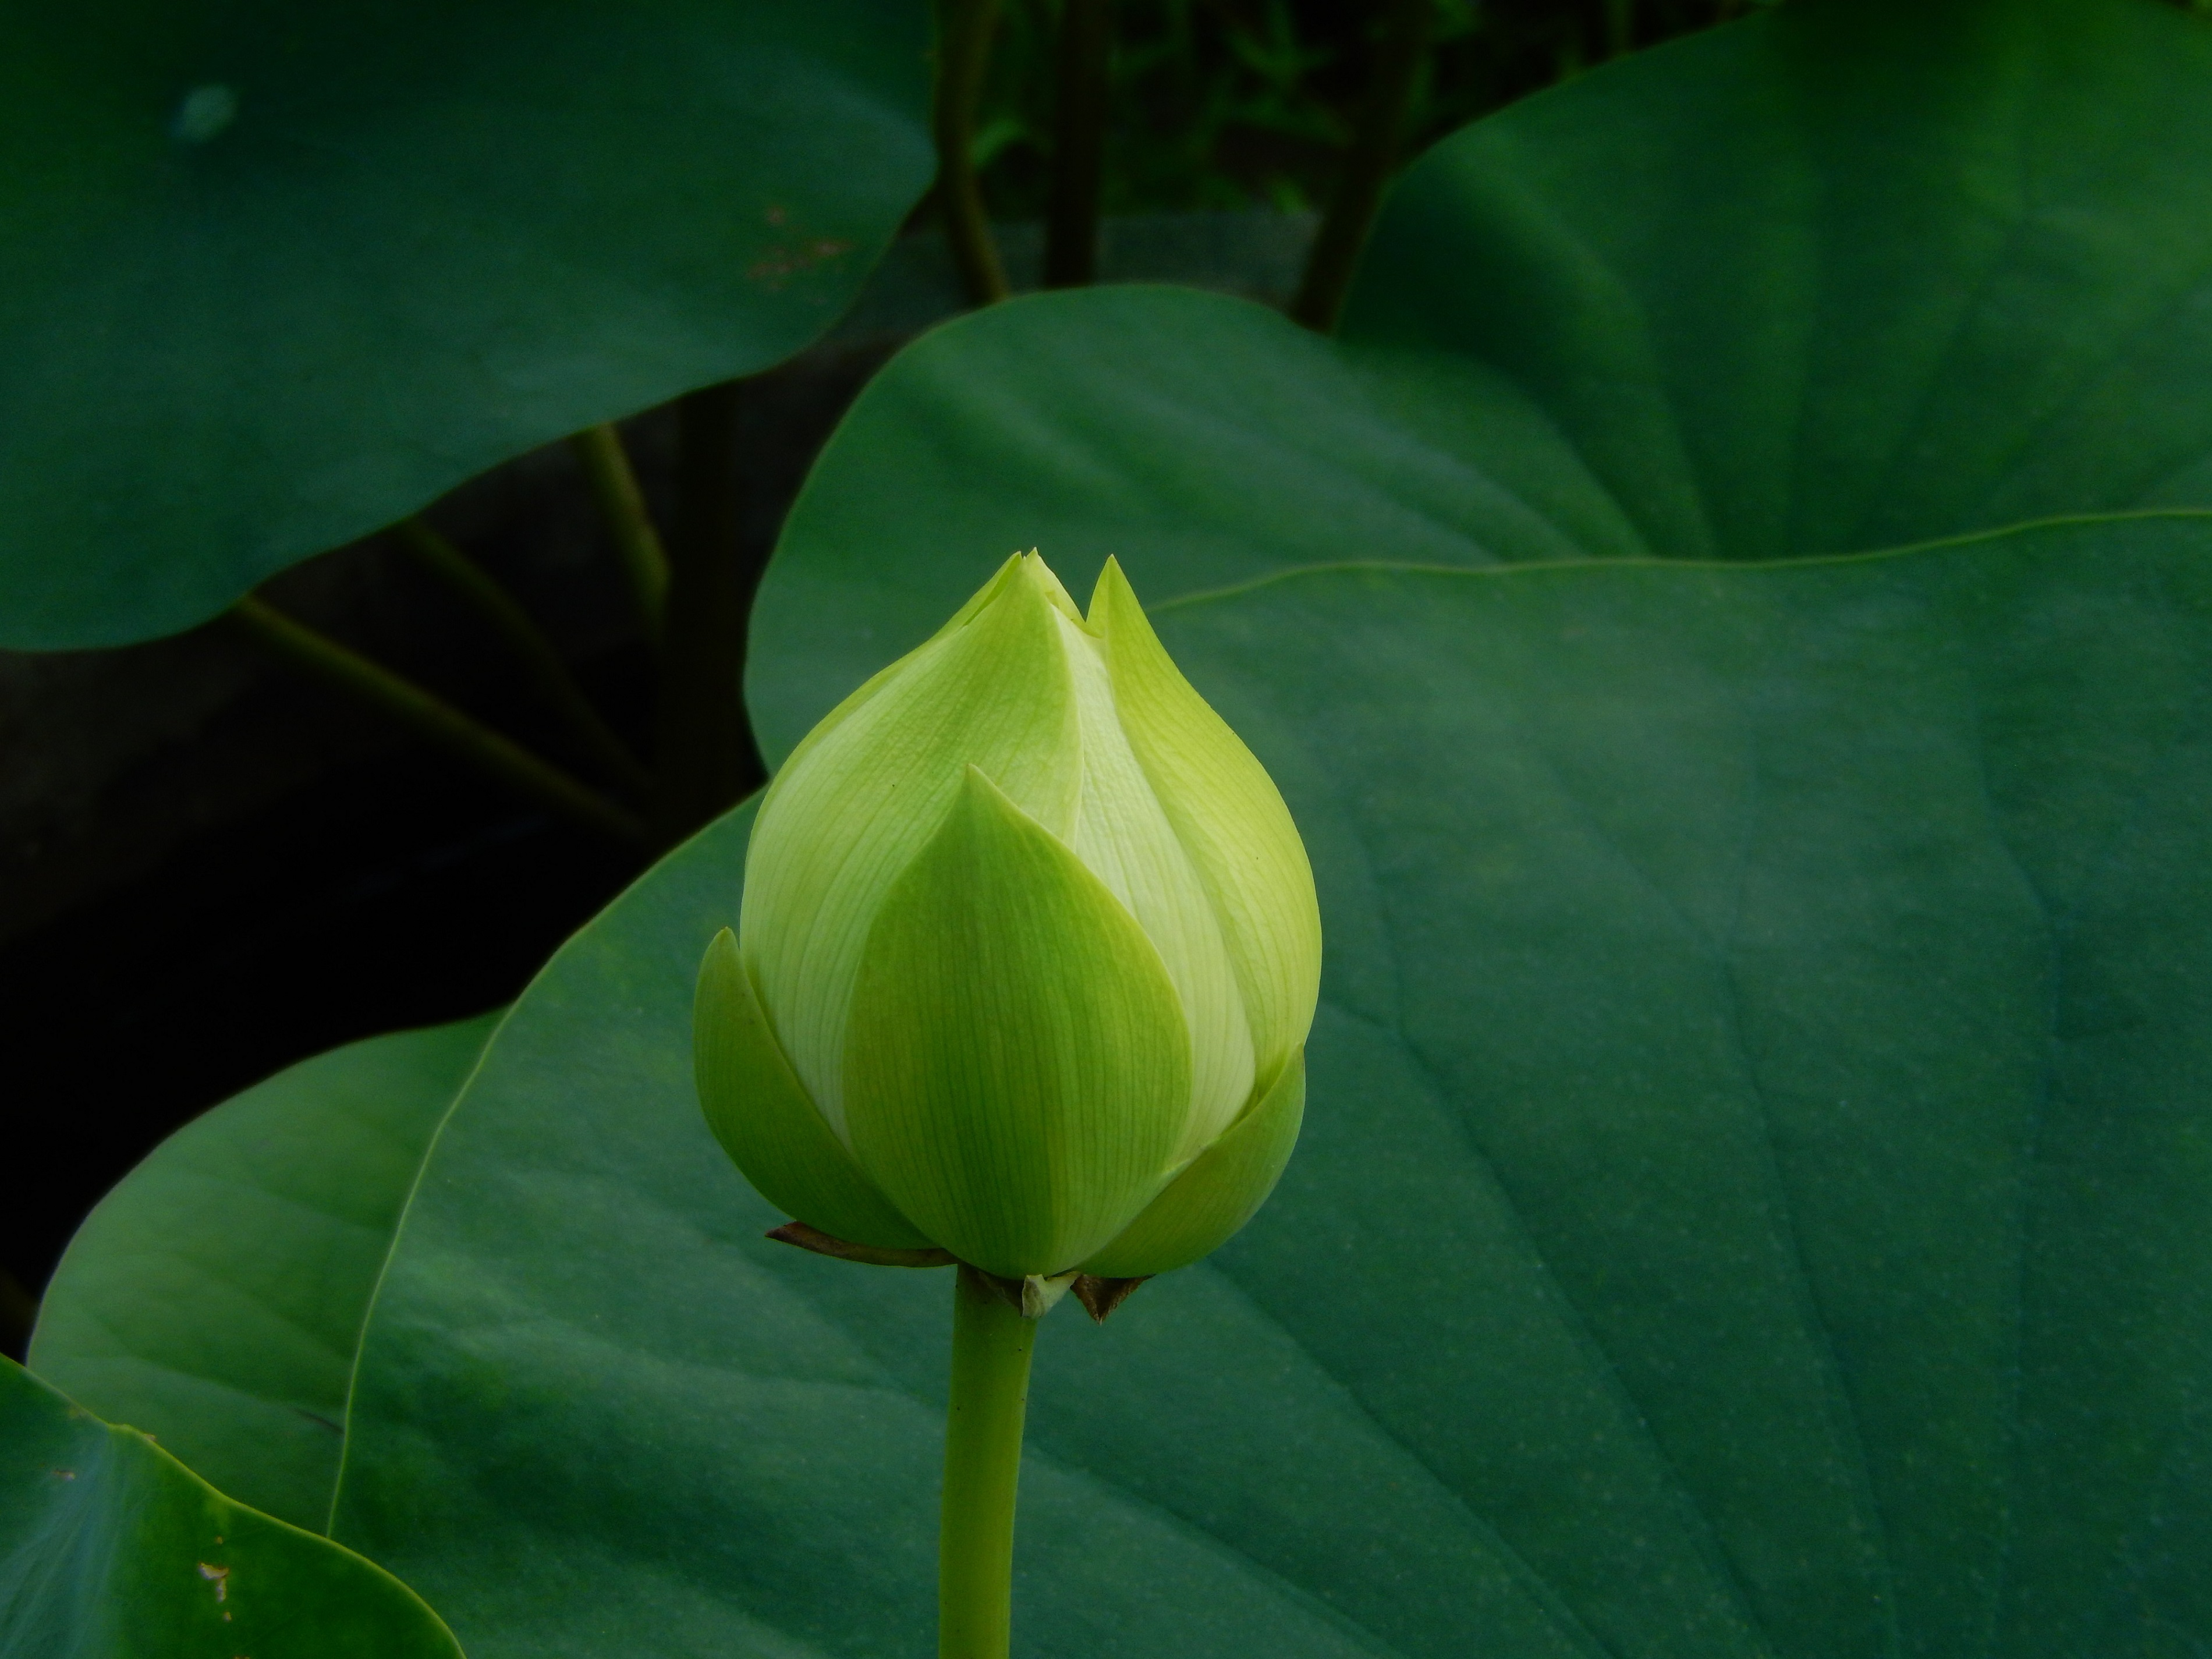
(991,1345)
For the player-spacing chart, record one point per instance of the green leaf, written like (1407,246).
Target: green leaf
(110,1546)
(1849,275)
(276,275)
(1755,1195)
(215,1298)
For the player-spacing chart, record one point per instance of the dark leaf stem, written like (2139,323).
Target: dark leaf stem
(705,760)
(540,660)
(1086,44)
(433,718)
(598,450)
(1408,26)
(965,28)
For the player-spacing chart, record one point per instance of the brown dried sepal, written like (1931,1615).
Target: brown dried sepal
(822,1243)
(1100,1297)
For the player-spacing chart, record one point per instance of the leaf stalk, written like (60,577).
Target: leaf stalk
(965,28)
(704,755)
(433,718)
(541,660)
(1078,150)
(1409,27)
(613,481)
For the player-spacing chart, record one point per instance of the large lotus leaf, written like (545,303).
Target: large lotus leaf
(111,1549)
(1755,1197)
(215,1298)
(272,275)
(1849,275)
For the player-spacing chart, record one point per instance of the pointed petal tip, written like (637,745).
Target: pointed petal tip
(1048,584)
(978,787)
(1109,592)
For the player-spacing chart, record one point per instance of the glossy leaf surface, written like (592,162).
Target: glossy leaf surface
(1755,1195)
(272,276)
(216,1297)
(111,1549)
(1852,273)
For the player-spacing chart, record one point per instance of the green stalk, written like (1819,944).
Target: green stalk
(1619,27)
(539,657)
(963,53)
(1407,27)
(991,1345)
(435,718)
(621,504)
(704,758)
(1079,149)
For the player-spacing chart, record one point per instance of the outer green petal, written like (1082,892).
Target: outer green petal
(1018,1072)
(845,817)
(1224,1186)
(758,1111)
(1230,819)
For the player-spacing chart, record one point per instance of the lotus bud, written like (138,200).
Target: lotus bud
(1028,954)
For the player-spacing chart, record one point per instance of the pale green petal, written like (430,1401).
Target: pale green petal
(1230,818)
(884,676)
(1123,836)
(1018,1074)
(1204,1205)
(851,809)
(1058,597)
(758,1111)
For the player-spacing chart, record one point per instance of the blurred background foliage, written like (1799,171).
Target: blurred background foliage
(1222,104)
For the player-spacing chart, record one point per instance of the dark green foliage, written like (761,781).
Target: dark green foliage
(215,1298)
(111,1549)
(1732,616)
(273,277)
(1220,103)
(1843,278)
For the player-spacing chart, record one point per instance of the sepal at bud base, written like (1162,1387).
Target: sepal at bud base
(1224,1187)
(757,1109)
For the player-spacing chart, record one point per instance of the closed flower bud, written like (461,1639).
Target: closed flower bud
(1027,958)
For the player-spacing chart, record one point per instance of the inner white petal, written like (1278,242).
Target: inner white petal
(1122,834)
